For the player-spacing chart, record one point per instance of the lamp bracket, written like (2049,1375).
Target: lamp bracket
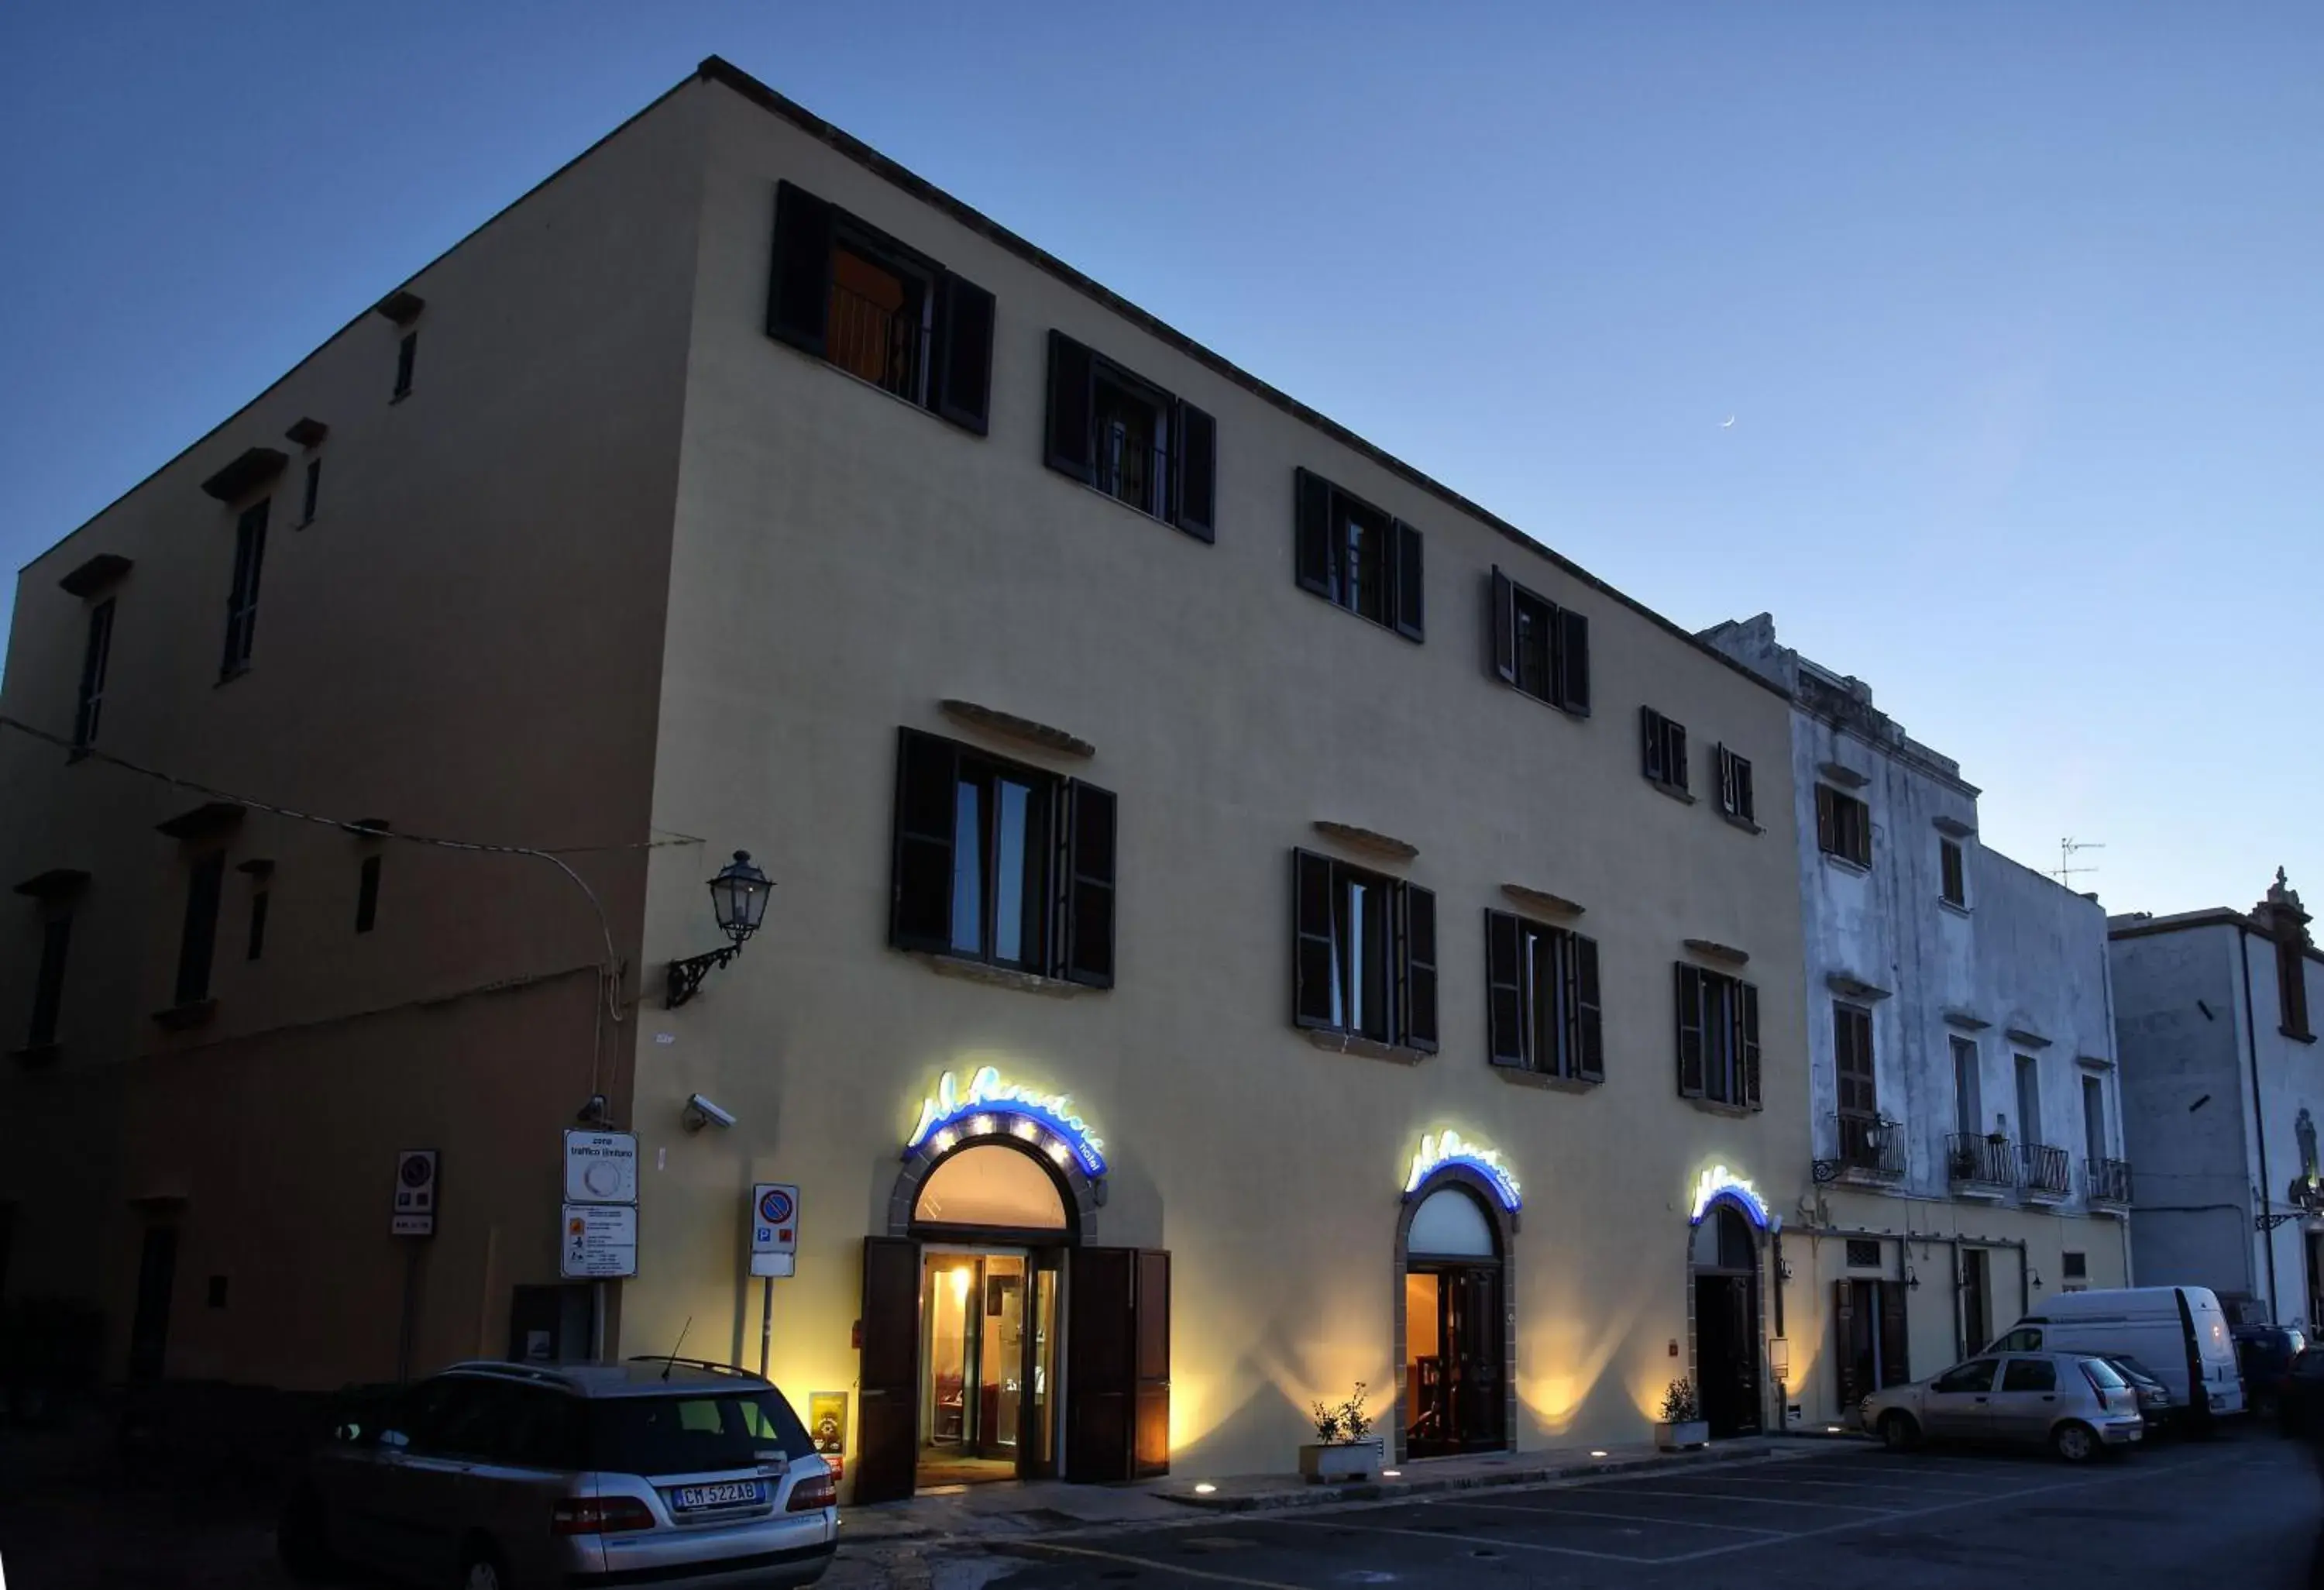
(685,976)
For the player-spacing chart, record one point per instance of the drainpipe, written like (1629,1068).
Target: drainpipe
(2259,1114)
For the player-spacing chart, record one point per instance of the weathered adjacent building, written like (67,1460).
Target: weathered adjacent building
(1245,920)
(1968,1155)
(2222,1088)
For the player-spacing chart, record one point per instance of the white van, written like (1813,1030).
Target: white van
(2179,1333)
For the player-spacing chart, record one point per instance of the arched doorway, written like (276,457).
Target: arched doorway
(997,1340)
(1723,1253)
(1454,1376)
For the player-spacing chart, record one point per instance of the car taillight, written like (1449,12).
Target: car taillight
(808,1495)
(600,1515)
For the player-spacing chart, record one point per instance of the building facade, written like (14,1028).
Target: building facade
(2222,1088)
(1246,923)
(1968,1155)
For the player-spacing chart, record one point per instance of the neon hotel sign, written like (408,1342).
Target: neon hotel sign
(1046,1120)
(1448,1147)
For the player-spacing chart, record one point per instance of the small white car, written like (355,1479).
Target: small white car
(2071,1403)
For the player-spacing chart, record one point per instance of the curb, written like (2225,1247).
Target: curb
(1376,1491)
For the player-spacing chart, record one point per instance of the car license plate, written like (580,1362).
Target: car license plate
(735,1494)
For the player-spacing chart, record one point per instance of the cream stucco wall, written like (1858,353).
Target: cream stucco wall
(842,561)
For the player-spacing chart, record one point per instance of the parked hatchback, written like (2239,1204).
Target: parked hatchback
(490,1475)
(2156,1406)
(2071,1403)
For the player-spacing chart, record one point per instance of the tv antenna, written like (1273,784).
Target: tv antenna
(2067,848)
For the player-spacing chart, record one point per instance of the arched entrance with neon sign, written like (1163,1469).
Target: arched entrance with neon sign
(999,1341)
(1456,1383)
(1726,1232)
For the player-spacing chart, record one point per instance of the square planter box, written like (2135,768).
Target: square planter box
(1681,1438)
(1349,1460)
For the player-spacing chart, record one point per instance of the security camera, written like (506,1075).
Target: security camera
(701,1112)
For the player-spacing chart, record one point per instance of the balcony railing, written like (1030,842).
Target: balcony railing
(888,347)
(1123,465)
(1975,1160)
(1870,1149)
(2107,1182)
(2043,1170)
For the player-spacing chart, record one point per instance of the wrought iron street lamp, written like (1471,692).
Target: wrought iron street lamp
(738,899)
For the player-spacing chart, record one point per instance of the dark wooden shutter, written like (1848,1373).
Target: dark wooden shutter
(1585,1037)
(1070,398)
(926,777)
(1824,840)
(49,984)
(1843,1326)
(1419,1002)
(889,1370)
(1650,742)
(1311,944)
(1572,682)
(1690,1032)
(1194,493)
(1746,1005)
(1410,588)
(798,295)
(1088,950)
(198,942)
(1895,1353)
(1675,754)
(1314,557)
(963,348)
(1150,1331)
(1852,1037)
(1501,624)
(1101,1363)
(1505,1011)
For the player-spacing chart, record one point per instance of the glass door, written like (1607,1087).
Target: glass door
(1038,1451)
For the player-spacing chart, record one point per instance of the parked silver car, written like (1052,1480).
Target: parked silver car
(2071,1403)
(491,1475)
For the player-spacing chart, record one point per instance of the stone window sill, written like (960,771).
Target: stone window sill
(1672,790)
(36,1055)
(946,965)
(1954,906)
(1845,865)
(1519,1077)
(2297,1037)
(1711,1106)
(1348,1043)
(1737,820)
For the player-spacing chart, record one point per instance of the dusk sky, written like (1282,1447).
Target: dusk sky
(2018,317)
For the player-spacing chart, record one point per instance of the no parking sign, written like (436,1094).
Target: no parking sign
(774,1228)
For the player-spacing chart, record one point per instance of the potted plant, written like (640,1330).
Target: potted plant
(1344,1448)
(1681,1425)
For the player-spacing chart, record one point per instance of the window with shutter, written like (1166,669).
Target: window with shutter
(1115,431)
(1691,1078)
(1363,953)
(1717,1037)
(1954,882)
(1851,1031)
(96,655)
(1661,750)
(1001,863)
(1196,458)
(1542,1011)
(1735,797)
(242,598)
(367,895)
(1357,557)
(1843,827)
(197,938)
(844,292)
(49,980)
(1573,662)
(407,359)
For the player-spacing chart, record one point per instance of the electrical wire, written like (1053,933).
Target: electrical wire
(609,972)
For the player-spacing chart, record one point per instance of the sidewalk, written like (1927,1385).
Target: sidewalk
(1004,1511)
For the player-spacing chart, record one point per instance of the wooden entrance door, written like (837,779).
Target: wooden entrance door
(1458,1398)
(889,1374)
(149,1327)
(1118,1365)
(1869,1331)
(1727,1352)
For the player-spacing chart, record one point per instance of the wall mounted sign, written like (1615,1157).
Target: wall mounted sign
(1044,1120)
(601,1242)
(1438,1150)
(1719,1181)
(600,1167)
(826,1427)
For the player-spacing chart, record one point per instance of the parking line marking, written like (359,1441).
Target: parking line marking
(1770,1501)
(1505,1545)
(1148,1562)
(1855,1523)
(1845,1485)
(1626,1518)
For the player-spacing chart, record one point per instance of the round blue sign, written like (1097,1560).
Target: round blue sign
(775,1206)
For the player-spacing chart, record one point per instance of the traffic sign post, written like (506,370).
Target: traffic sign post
(774,1251)
(601,1242)
(415,1194)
